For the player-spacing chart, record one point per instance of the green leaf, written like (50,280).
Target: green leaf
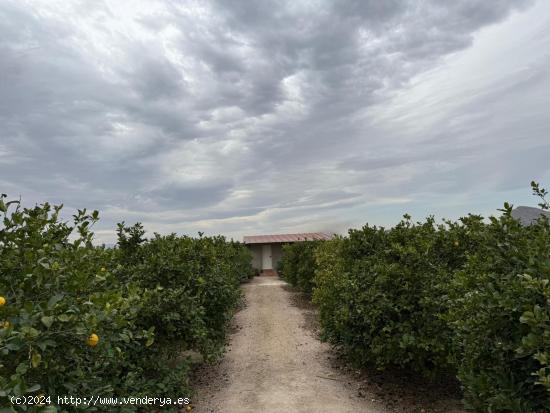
(14,345)
(42,345)
(33,388)
(47,321)
(36,358)
(527,317)
(22,368)
(54,300)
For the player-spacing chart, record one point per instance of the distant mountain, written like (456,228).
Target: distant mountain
(526,215)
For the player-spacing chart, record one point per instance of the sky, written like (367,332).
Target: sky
(244,117)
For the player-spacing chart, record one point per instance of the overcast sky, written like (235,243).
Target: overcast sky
(245,117)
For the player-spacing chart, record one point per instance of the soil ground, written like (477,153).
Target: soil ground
(275,362)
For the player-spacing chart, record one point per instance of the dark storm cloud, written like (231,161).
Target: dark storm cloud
(246,116)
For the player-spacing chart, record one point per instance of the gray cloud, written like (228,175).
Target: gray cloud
(274,116)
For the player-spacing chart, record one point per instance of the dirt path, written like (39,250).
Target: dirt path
(274,364)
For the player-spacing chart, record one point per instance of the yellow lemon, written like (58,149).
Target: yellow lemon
(103,269)
(2,301)
(92,340)
(188,408)
(6,324)
(456,243)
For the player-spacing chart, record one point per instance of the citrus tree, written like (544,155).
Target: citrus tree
(78,319)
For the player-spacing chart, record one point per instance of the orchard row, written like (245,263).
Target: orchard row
(468,298)
(86,320)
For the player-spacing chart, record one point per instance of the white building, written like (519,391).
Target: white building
(267,250)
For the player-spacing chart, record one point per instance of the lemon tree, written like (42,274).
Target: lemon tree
(82,319)
(468,298)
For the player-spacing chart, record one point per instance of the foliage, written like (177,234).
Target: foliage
(146,300)
(192,284)
(391,287)
(129,241)
(499,313)
(298,264)
(471,297)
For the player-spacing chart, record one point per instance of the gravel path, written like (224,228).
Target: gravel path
(275,364)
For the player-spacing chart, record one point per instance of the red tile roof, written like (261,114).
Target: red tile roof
(270,239)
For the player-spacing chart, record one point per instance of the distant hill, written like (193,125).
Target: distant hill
(526,215)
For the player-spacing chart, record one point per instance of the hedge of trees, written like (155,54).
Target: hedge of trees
(469,298)
(298,264)
(78,319)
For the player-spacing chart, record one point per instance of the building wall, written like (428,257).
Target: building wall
(256,250)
